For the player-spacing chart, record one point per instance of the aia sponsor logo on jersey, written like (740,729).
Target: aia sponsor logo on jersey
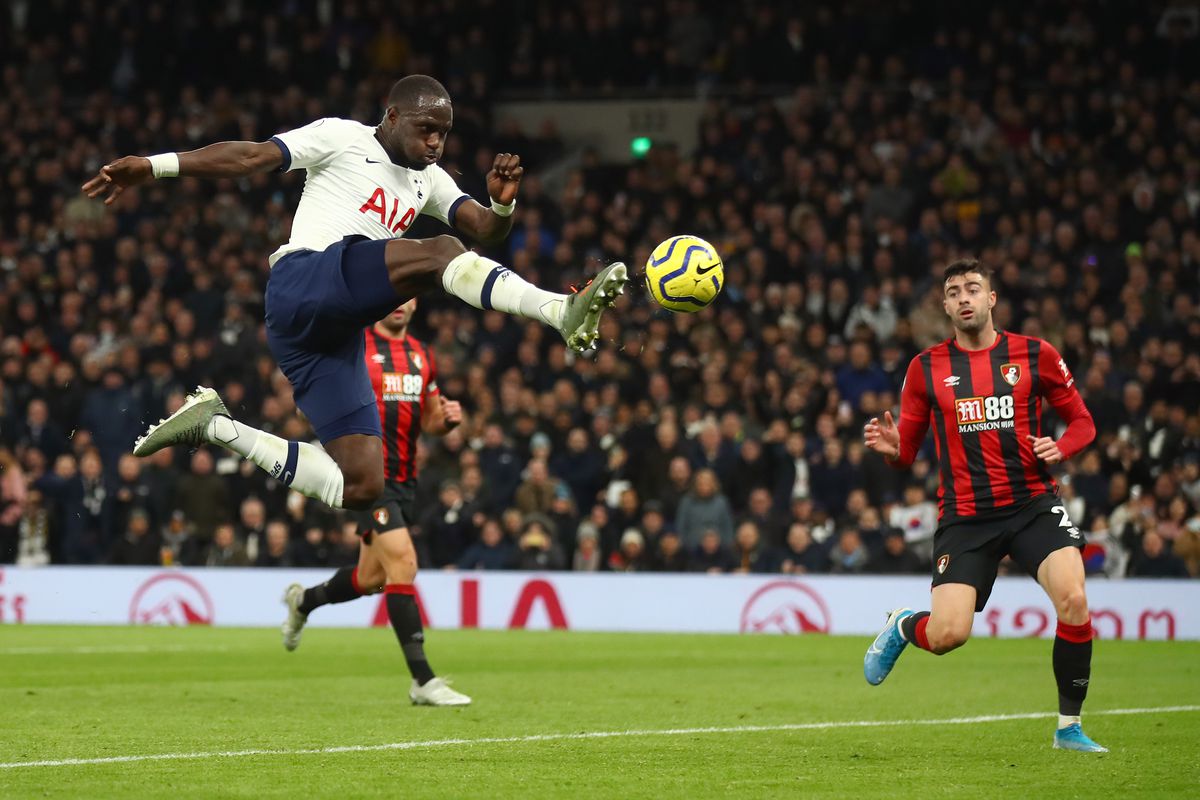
(1011,373)
(378,204)
(943,562)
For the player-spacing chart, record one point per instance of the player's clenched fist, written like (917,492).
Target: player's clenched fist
(504,178)
(451,413)
(1046,449)
(883,436)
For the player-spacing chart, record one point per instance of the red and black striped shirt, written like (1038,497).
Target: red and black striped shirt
(983,405)
(403,376)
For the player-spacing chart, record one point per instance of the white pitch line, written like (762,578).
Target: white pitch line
(559,737)
(104,649)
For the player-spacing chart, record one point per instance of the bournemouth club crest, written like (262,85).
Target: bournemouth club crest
(1011,373)
(943,562)
(381,516)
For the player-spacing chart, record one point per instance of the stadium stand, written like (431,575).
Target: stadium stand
(844,159)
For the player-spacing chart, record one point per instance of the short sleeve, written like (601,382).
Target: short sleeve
(310,146)
(444,195)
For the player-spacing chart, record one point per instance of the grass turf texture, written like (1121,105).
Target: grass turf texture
(104,692)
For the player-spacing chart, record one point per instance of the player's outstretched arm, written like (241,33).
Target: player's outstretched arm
(220,160)
(492,225)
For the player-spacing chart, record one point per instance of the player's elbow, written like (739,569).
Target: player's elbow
(259,157)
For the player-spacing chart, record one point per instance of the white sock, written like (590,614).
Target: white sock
(305,468)
(1065,721)
(486,284)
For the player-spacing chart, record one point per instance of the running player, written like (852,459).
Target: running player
(404,379)
(983,390)
(345,267)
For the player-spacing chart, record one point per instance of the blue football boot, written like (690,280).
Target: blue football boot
(1072,737)
(888,645)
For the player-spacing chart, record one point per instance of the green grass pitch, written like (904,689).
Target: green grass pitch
(107,693)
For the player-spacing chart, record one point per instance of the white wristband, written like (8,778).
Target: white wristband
(504,210)
(164,165)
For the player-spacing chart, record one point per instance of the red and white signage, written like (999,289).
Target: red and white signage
(1134,609)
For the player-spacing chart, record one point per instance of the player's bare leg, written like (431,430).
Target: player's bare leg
(1061,574)
(945,627)
(420,265)
(348,583)
(396,553)
(348,473)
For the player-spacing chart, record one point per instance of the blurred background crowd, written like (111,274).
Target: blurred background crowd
(846,155)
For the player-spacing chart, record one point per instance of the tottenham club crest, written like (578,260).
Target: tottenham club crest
(943,562)
(1011,373)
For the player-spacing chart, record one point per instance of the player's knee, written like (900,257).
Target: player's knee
(370,580)
(362,492)
(447,248)
(946,637)
(1073,606)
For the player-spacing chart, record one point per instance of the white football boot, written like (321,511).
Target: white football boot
(294,624)
(436,693)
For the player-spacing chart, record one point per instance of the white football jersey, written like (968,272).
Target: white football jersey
(353,188)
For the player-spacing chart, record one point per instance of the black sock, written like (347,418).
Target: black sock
(908,626)
(406,620)
(1072,666)
(338,589)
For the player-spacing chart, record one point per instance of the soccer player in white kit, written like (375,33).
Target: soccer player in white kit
(346,266)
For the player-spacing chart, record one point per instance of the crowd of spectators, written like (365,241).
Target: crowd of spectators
(1061,147)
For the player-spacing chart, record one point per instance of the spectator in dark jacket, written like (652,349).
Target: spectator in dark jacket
(41,432)
(492,551)
(225,550)
(581,466)
(113,413)
(537,548)
(274,552)
(140,545)
(802,555)
(444,529)
(895,558)
(670,556)
(1156,561)
(711,555)
(203,496)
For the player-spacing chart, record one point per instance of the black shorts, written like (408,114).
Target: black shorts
(394,509)
(970,551)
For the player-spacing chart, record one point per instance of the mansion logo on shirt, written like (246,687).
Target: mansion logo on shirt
(984,413)
(402,388)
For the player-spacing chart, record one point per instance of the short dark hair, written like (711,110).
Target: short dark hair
(409,91)
(963,266)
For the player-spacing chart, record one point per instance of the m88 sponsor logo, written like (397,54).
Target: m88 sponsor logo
(985,413)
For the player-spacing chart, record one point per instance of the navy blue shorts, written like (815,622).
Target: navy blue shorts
(318,304)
